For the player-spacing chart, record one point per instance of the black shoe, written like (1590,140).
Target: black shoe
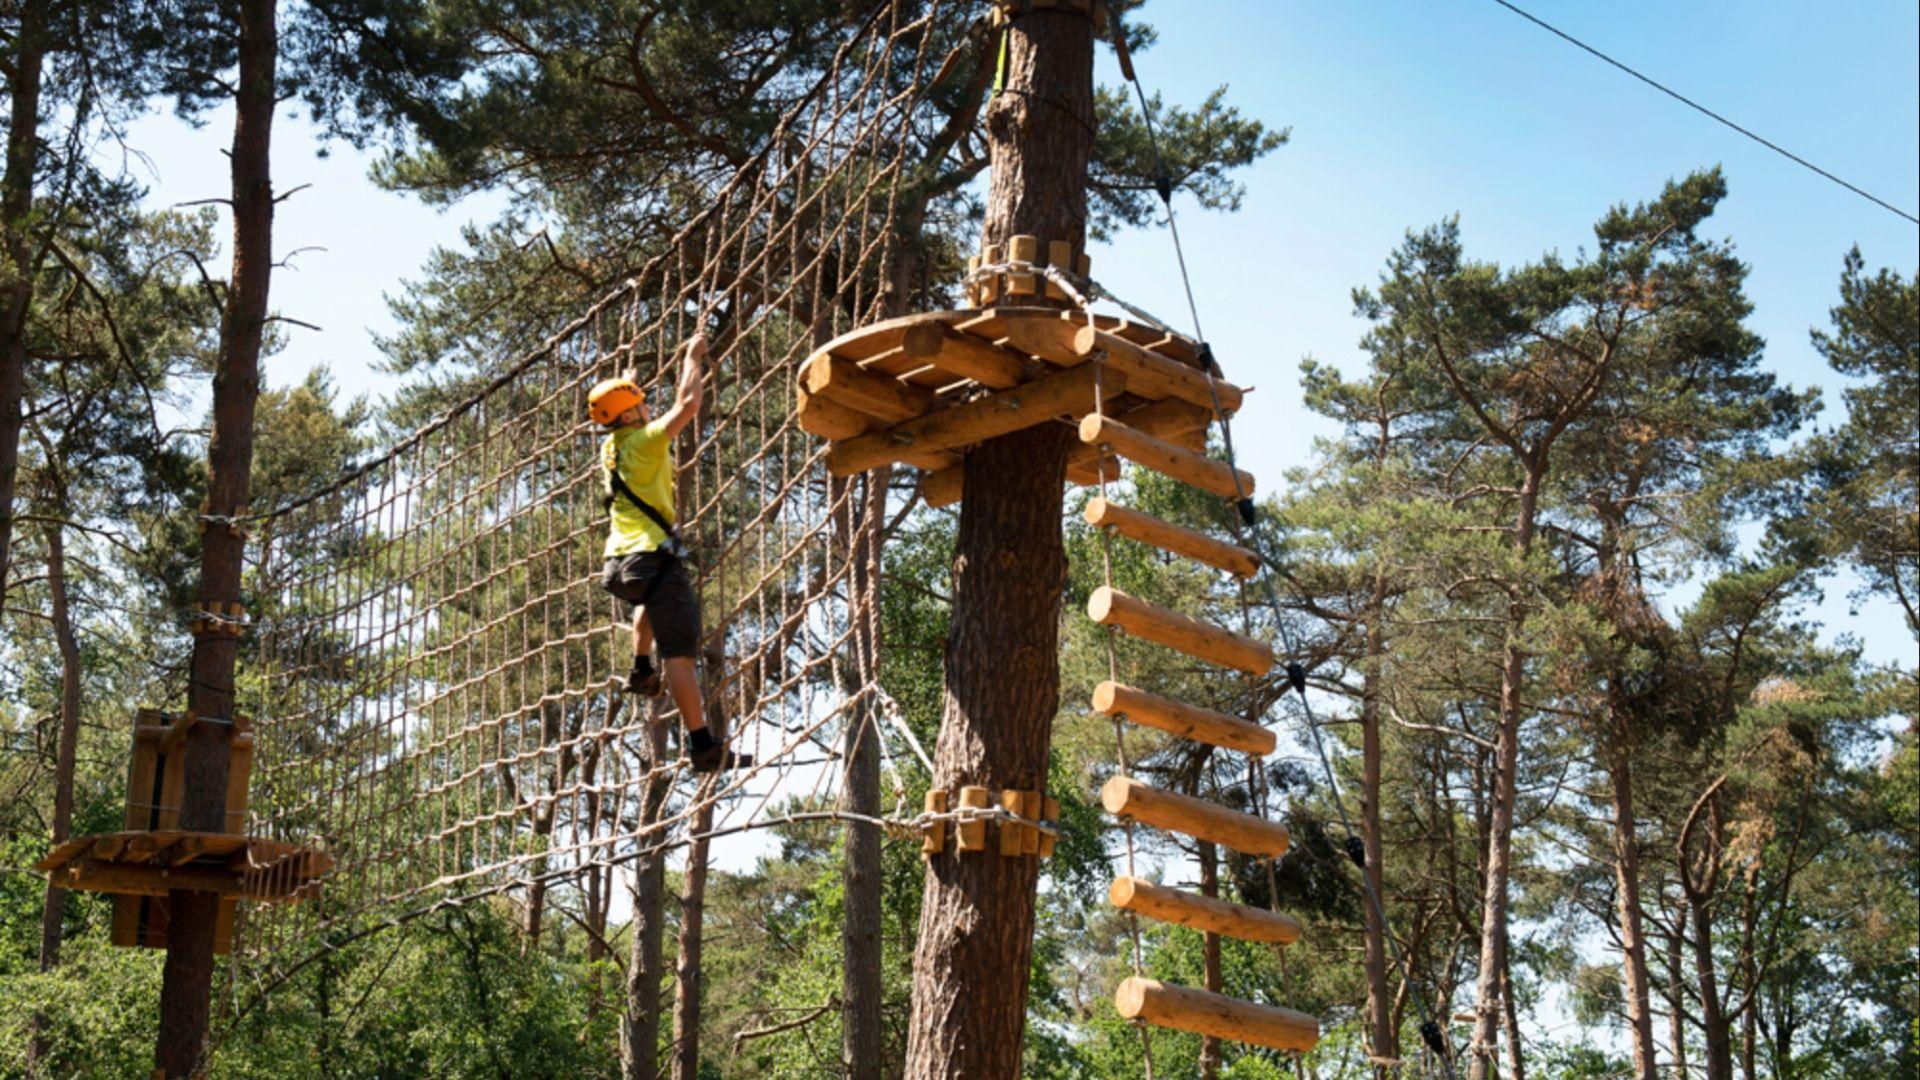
(717,757)
(645,684)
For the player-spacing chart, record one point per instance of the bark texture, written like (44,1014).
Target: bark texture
(188,973)
(16,248)
(976,923)
(862,1030)
(54,910)
(1504,789)
(640,1015)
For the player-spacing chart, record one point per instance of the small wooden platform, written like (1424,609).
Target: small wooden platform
(921,389)
(156,863)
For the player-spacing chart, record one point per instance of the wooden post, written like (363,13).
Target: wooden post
(1187,1009)
(1164,457)
(1124,796)
(1204,913)
(1179,718)
(974,944)
(1150,530)
(193,917)
(935,840)
(1109,606)
(972,834)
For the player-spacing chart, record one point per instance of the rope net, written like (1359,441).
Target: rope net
(435,678)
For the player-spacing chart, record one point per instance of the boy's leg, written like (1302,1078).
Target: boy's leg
(683,682)
(642,634)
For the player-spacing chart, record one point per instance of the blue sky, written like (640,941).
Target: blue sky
(1401,114)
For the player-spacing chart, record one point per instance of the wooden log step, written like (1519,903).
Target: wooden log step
(1150,374)
(879,396)
(1171,419)
(1062,393)
(1167,536)
(1164,457)
(1109,606)
(1187,1009)
(964,355)
(1204,913)
(1123,796)
(1179,718)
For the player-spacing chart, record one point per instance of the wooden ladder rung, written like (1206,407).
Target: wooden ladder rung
(1123,796)
(1198,912)
(1164,457)
(1167,536)
(1207,1013)
(1109,606)
(1150,374)
(1179,718)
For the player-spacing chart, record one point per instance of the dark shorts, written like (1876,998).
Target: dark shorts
(660,584)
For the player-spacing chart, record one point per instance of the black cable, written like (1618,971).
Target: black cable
(1692,104)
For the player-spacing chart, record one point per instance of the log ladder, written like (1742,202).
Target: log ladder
(921,389)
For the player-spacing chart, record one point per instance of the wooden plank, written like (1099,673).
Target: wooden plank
(877,396)
(142,770)
(1150,530)
(1164,457)
(1037,402)
(972,835)
(1045,333)
(934,840)
(1179,718)
(1060,257)
(173,782)
(964,355)
(176,735)
(1034,808)
(1109,606)
(873,339)
(1049,812)
(1020,283)
(1203,1012)
(1123,796)
(1203,913)
(239,773)
(828,418)
(1013,801)
(1151,375)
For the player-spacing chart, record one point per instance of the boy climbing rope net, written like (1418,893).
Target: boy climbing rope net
(646,567)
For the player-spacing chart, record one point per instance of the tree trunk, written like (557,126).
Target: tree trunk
(1633,940)
(16,248)
(687,981)
(862,1032)
(53,912)
(188,974)
(1713,1021)
(1382,1038)
(1210,957)
(976,922)
(1516,1061)
(640,1017)
(1676,994)
(1505,785)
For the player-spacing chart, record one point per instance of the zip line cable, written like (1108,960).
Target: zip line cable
(1430,1031)
(1696,106)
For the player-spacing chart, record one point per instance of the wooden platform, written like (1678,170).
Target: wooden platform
(156,863)
(921,389)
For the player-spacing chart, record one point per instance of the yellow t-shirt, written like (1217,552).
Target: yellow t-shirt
(644,456)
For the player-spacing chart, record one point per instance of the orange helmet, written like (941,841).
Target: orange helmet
(611,397)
